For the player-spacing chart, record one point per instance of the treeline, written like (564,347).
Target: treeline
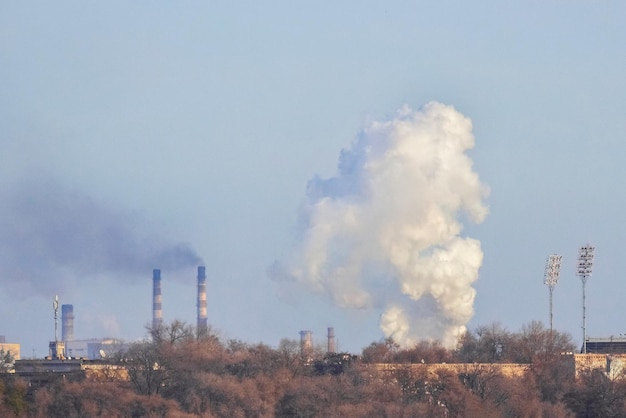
(177,373)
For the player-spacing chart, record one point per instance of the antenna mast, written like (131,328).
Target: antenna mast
(551,278)
(55,306)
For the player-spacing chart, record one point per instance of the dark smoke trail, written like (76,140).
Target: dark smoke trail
(50,233)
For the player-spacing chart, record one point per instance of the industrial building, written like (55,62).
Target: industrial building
(91,358)
(93,349)
(70,348)
(98,348)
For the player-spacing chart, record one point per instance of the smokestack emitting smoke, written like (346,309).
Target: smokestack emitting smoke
(157,308)
(72,235)
(67,323)
(385,231)
(202,313)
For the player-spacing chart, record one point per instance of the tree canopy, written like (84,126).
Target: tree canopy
(175,372)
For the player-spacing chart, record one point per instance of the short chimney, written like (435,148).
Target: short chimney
(331,340)
(201,304)
(306,344)
(157,310)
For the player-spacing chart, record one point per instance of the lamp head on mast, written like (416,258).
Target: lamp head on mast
(553,270)
(585,261)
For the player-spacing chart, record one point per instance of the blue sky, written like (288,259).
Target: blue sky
(202,123)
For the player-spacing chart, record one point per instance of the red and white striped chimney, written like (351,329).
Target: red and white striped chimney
(157,309)
(201,305)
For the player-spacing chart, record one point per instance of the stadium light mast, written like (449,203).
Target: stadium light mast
(551,277)
(585,263)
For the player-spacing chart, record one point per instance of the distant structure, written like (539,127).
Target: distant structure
(610,345)
(306,343)
(586,255)
(201,305)
(331,341)
(56,348)
(55,306)
(67,323)
(551,277)
(157,309)
(94,348)
(91,349)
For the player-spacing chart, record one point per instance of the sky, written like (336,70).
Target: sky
(168,135)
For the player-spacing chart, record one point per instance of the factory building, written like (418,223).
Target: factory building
(96,349)
(93,349)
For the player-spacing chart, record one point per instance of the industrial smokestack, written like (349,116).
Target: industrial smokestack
(202,314)
(306,344)
(331,340)
(67,322)
(157,310)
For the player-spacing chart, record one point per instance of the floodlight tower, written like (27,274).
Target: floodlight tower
(551,277)
(585,262)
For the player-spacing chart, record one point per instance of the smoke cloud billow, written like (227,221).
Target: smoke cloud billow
(52,235)
(385,232)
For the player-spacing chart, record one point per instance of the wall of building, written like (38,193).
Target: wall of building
(614,365)
(506,369)
(45,371)
(13,349)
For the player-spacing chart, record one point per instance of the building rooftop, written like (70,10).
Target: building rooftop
(609,345)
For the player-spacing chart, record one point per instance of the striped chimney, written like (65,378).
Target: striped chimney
(157,309)
(201,305)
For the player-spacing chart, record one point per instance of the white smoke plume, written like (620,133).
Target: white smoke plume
(385,232)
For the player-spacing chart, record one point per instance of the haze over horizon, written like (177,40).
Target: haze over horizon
(157,135)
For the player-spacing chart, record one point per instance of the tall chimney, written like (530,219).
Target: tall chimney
(202,314)
(67,322)
(157,310)
(306,345)
(331,340)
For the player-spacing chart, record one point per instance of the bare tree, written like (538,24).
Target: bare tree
(595,395)
(144,362)
(172,333)
(381,352)
(7,361)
